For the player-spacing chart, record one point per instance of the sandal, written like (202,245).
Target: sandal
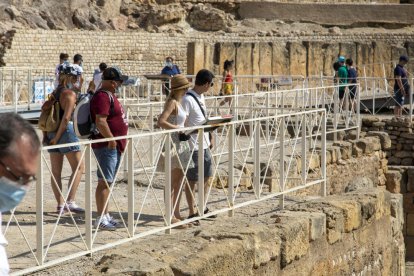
(183,226)
(196,222)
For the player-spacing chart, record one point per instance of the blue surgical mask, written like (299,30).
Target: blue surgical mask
(11,194)
(169,64)
(70,85)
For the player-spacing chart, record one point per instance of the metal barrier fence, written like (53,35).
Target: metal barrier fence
(248,168)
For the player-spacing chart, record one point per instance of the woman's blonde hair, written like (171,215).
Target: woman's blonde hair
(174,95)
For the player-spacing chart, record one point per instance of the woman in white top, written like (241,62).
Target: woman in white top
(174,117)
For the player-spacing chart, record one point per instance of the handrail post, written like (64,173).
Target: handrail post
(336,111)
(256,180)
(282,162)
(200,182)
(88,196)
(267,115)
(131,197)
(39,212)
(323,153)
(358,110)
(303,149)
(167,193)
(230,183)
(151,138)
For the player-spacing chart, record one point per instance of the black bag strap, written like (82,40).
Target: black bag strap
(195,98)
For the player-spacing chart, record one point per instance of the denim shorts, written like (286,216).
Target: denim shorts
(109,160)
(399,98)
(68,136)
(192,174)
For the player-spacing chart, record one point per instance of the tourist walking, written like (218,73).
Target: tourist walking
(401,85)
(63,57)
(352,82)
(174,117)
(110,120)
(66,96)
(78,65)
(19,155)
(342,79)
(170,69)
(195,107)
(227,84)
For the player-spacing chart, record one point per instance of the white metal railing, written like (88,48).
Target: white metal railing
(257,166)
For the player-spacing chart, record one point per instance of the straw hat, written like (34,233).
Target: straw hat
(179,82)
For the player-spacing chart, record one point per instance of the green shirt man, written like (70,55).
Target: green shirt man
(342,76)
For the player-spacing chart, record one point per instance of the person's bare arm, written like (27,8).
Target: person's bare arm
(104,130)
(67,102)
(168,110)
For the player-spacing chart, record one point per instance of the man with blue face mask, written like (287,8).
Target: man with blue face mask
(171,70)
(19,153)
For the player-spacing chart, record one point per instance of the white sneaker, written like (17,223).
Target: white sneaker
(113,221)
(74,208)
(104,224)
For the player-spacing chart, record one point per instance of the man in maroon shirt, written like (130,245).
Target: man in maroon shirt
(110,119)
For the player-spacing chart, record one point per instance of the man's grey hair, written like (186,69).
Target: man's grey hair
(12,127)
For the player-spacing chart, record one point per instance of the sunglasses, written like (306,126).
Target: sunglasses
(211,84)
(21,180)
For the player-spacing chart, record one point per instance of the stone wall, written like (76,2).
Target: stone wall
(358,233)
(143,53)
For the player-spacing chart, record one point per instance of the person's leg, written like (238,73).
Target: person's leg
(101,196)
(74,159)
(190,194)
(176,179)
(56,161)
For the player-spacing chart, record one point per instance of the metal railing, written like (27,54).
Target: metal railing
(259,165)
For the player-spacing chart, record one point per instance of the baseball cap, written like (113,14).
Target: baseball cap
(404,58)
(341,59)
(68,69)
(113,73)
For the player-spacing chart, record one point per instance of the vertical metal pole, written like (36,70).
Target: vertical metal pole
(131,197)
(358,104)
(167,193)
(267,115)
(256,179)
(251,124)
(385,78)
(282,162)
(231,170)
(13,91)
(88,196)
(323,153)
(336,111)
(124,95)
(365,80)
(303,143)
(201,203)
(44,85)
(151,138)
(39,211)
(373,96)
(410,95)
(236,100)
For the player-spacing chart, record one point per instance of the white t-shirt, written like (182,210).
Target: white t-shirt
(195,117)
(79,69)
(97,78)
(4,263)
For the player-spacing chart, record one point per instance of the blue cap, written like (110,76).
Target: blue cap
(341,59)
(404,58)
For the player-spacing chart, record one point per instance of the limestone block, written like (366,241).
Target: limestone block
(369,144)
(297,59)
(397,210)
(351,211)
(407,161)
(315,52)
(384,138)
(295,235)
(195,57)
(356,150)
(393,181)
(345,149)
(280,59)
(403,154)
(256,58)
(410,51)
(244,59)
(270,174)
(406,135)
(409,203)
(369,121)
(348,50)
(410,225)
(330,55)
(365,52)
(317,225)
(394,160)
(265,58)
(410,179)
(382,52)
